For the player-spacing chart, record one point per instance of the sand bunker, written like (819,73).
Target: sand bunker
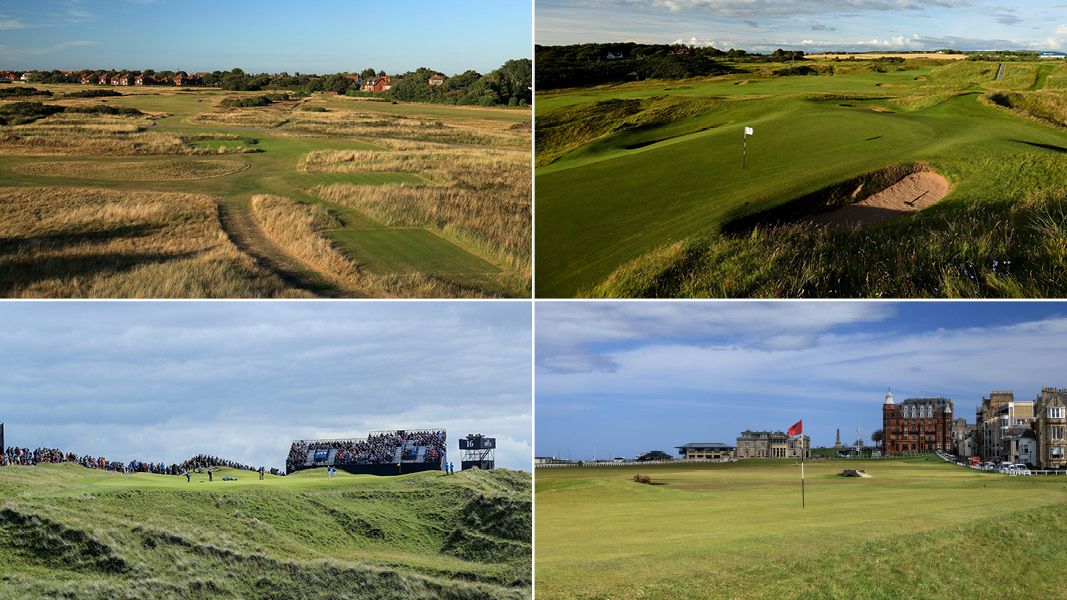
(136,170)
(913,193)
(855,473)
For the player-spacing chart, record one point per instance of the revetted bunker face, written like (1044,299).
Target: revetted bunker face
(869,199)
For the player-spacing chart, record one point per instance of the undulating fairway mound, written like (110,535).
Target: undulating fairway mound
(917,528)
(99,243)
(641,185)
(66,531)
(148,170)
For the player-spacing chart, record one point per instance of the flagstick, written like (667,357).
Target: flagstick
(744,153)
(802,451)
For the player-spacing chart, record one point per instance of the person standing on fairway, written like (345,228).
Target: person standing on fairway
(210,476)
(188,477)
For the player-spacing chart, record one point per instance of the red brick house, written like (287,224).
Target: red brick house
(87,78)
(378,84)
(436,80)
(143,79)
(104,79)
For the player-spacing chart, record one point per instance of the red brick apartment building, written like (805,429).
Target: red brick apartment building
(916,425)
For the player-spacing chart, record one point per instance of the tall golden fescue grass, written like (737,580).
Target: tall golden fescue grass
(299,228)
(261,117)
(171,169)
(98,243)
(471,132)
(482,197)
(97,135)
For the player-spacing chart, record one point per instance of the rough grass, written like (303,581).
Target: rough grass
(69,532)
(81,134)
(563,130)
(737,530)
(481,197)
(97,243)
(1045,106)
(302,230)
(149,170)
(375,125)
(298,228)
(1007,249)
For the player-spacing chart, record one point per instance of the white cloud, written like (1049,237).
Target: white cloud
(8,24)
(162,381)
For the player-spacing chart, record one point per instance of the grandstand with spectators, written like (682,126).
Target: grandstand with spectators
(380,453)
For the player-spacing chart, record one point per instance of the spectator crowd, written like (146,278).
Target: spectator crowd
(28,457)
(377,448)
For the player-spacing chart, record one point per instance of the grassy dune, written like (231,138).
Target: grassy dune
(917,529)
(635,182)
(97,243)
(70,532)
(474,243)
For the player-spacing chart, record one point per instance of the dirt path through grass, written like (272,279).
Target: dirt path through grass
(235,216)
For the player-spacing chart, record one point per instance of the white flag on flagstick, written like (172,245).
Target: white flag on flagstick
(748,131)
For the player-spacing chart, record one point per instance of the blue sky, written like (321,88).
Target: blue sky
(630,377)
(164,381)
(809,25)
(319,36)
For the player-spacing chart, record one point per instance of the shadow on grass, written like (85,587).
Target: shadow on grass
(1052,147)
(59,239)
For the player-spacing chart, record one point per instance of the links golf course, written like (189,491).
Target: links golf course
(642,190)
(917,528)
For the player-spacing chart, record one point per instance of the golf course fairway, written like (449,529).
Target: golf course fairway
(917,528)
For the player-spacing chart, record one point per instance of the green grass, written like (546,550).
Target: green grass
(919,528)
(617,189)
(66,531)
(405,250)
(274,169)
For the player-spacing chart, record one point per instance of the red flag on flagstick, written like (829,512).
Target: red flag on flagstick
(797,428)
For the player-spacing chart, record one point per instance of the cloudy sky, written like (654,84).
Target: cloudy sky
(624,378)
(164,381)
(323,36)
(809,25)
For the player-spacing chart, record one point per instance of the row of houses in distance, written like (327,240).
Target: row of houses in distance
(124,78)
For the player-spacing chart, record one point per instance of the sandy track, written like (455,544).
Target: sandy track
(913,193)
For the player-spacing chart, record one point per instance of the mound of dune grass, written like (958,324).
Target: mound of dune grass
(994,249)
(565,129)
(66,531)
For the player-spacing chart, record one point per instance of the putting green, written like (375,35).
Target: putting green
(624,194)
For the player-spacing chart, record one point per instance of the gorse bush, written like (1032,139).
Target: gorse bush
(94,94)
(21,91)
